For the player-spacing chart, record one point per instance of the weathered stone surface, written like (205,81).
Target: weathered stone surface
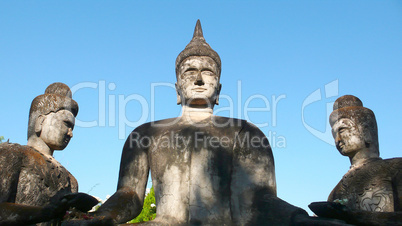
(206,169)
(34,186)
(30,177)
(332,210)
(374,186)
(371,185)
(198,47)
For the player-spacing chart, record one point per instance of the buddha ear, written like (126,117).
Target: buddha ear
(218,91)
(368,139)
(178,94)
(39,123)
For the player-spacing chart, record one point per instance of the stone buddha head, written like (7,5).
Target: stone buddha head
(198,69)
(354,127)
(51,119)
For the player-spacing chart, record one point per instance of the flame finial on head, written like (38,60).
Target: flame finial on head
(198,31)
(198,47)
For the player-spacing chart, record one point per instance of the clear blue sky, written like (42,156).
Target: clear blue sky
(114,53)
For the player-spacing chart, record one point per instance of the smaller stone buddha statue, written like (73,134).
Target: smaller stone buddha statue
(34,186)
(372,184)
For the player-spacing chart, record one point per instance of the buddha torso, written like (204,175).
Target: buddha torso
(375,185)
(31,178)
(210,173)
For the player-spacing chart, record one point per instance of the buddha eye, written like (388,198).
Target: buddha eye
(190,72)
(68,124)
(207,72)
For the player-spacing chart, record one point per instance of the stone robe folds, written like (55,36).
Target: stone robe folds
(218,171)
(31,178)
(375,186)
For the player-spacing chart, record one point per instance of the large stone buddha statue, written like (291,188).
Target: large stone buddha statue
(206,169)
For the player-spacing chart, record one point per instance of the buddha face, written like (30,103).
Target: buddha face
(348,138)
(198,81)
(57,129)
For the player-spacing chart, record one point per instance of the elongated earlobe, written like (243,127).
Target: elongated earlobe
(178,94)
(217,94)
(38,124)
(367,138)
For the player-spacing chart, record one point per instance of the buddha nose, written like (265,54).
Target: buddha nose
(70,132)
(337,138)
(198,80)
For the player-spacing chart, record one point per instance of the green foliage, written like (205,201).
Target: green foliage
(1,139)
(148,210)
